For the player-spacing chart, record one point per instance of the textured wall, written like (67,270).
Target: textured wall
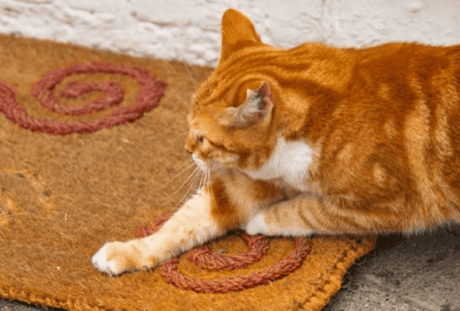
(189,30)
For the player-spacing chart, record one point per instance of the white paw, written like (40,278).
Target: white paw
(100,261)
(256,225)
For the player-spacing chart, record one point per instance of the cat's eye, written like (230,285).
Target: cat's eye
(200,139)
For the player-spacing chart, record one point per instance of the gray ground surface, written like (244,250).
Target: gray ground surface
(407,273)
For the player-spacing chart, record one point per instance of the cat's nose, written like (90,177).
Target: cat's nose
(188,149)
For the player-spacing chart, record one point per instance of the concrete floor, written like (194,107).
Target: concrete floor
(406,273)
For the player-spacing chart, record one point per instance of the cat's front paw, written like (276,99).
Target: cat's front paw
(101,262)
(256,225)
(116,257)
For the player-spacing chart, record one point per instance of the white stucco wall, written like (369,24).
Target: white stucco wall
(190,29)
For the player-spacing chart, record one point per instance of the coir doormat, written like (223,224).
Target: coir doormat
(90,144)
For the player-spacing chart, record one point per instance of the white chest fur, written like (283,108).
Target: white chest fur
(289,161)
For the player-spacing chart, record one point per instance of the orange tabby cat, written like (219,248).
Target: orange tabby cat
(314,139)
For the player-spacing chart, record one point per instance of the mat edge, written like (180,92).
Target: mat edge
(324,294)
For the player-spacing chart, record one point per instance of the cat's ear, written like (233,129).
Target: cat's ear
(237,32)
(257,108)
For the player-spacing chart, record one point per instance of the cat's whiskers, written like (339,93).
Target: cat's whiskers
(200,184)
(188,164)
(204,178)
(195,176)
(207,179)
(184,102)
(190,74)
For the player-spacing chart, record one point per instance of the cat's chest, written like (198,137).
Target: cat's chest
(289,161)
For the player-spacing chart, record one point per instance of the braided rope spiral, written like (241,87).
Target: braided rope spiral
(152,90)
(207,259)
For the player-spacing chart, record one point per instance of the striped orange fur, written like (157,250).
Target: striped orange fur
(317,139)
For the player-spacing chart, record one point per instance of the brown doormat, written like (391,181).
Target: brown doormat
(88,148)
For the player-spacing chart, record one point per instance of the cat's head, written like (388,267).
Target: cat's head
(231,120)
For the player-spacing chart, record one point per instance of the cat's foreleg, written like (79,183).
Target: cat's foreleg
(307,214)
(193,224)
(287,218)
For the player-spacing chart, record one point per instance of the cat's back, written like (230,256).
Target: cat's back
(396,123)
(409,60)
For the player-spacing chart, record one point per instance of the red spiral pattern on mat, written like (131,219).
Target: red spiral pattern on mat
(152,90)
(205,258)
